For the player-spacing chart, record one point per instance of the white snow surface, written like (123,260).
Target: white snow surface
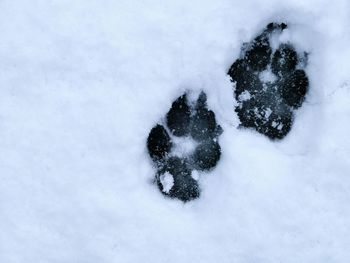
(82,82)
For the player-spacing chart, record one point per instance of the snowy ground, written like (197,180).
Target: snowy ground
(82,82)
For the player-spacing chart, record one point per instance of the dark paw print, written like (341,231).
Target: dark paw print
(188,142)
(270,84)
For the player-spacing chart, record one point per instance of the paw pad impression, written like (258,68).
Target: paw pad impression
(186,143)
(270,84)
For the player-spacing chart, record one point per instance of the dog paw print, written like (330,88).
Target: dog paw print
(183,146)
(269,84)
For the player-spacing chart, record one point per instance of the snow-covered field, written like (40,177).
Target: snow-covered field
(82,82)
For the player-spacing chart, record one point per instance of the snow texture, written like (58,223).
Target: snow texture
(83,82)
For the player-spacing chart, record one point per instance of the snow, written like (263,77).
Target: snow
(183,146)
(267,76)
(83,82)
(167,181)
(245,95)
